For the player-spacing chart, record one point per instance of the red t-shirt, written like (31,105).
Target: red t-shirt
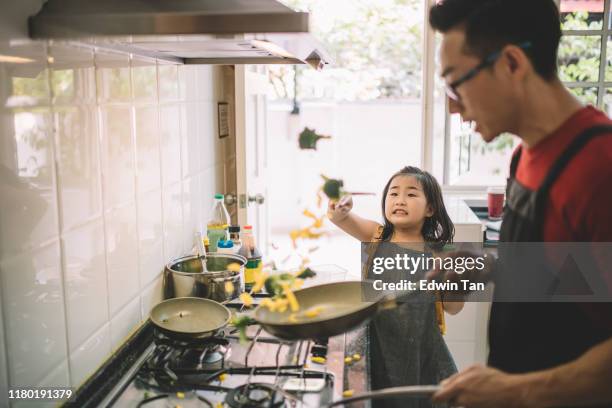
(580,203)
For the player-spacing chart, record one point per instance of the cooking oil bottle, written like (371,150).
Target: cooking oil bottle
(216,228)
(250,251)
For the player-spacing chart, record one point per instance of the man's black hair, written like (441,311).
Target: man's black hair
(491,24)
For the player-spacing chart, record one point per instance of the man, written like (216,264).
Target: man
(499,60)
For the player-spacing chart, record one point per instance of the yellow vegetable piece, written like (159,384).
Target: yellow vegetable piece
(318,360)
(266,302)
(219,405)
(314,311)
(348,393)
(282,305)
(233,267)
(229,287)
(348,360)
(293,303)
(356,357)
(223,377)
(260,280)
(309,214)
(292,318)
(246,299)
(297,284)
(180,395)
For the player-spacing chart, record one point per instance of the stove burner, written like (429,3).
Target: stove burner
(255,395)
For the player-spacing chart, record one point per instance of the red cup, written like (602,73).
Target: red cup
(495,202)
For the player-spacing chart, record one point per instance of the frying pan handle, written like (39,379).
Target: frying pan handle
(417,391)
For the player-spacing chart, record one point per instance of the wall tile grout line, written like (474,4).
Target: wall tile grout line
(59,219)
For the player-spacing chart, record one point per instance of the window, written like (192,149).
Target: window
(585,67)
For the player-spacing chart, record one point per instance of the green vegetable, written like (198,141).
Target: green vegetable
(274,283)
(308,139)
(333,188)
(241,322)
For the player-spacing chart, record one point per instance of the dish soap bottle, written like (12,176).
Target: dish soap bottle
(217,224)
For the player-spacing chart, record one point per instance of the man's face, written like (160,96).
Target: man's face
(487,98)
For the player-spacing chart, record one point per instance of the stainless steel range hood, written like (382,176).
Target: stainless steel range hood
(186,31)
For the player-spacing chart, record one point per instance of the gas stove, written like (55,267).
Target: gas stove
(222,371)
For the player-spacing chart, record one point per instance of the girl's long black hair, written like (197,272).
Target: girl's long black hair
(437,229)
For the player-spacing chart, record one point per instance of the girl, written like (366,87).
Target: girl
(406,346)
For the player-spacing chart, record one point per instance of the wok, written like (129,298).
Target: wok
(190,317)
(345,305)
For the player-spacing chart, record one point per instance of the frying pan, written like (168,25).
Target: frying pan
(190,317)
(344,306)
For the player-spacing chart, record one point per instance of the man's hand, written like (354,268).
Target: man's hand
(483,387)
(474,275)
(337,211)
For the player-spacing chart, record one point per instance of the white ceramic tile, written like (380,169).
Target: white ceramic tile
(210,146)
(190,146)
(86,358)
(117,156)
(121,256)
(208,186)
(205,82)
(78,166)
(151,295)
(4,382)
(187,82)
(59,377)
(73,76)
(171,144)
(144,80)
(124,323)
(173,222)
(168,82)
(113,82)
(147,148)
(85,281)
(150,235)
(33,306)
(191,212)
(29,215)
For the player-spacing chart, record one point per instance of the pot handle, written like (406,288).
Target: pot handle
(406,391)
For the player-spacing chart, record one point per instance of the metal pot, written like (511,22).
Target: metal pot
(185,277)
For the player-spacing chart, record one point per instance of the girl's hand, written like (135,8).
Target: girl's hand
(339,210)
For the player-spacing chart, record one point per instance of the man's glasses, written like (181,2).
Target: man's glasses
(451,89)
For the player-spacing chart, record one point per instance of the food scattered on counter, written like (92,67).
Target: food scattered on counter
(348,393)
(356,357)
(180,395)
(308,139)
(222,377)
(348,360)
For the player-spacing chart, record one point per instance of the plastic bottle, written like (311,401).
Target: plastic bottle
(216,228)
(234,233)
(250,251)
(225,247)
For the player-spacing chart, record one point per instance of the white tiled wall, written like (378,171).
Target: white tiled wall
(108,162)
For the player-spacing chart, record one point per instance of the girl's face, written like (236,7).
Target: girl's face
(405,204)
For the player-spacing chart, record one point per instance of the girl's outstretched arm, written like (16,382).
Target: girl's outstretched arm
(339,212)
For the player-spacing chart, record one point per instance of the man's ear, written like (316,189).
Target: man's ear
(515,60)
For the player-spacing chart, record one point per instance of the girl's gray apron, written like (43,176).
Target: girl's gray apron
(405,346)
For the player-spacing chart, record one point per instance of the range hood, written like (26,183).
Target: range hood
(185,31)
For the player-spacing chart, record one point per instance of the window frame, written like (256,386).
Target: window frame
(427,100)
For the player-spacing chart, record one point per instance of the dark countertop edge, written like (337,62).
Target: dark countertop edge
(100,383)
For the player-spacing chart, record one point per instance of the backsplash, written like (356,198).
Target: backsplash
(108,162)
